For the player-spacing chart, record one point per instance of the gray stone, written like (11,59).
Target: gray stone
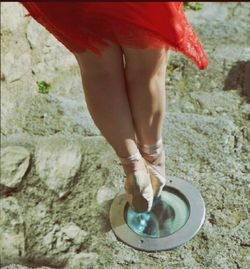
(40,210)
(53,52)
(210,151)
(15,65)
(111,236)
(83,260)
(211,140)
(104,195)
(12,241)
(61,239)
(14,164)
(36,34)
(245,109)
(209,12)
(50,237)
(73,232)
(213,23)
(50,114)
(18,266)
(186,106)
(70,89)
(12,16)
(57,163)
(15,266)
(176,76)
(232,52)
(217,101)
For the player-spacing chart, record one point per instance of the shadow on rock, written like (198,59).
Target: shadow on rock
(239,78)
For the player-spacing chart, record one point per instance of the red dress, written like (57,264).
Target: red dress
(86,25)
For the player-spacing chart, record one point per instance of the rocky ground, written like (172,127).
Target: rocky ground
(59,175)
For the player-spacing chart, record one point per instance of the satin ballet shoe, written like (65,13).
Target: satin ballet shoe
(155,157)
(138,188)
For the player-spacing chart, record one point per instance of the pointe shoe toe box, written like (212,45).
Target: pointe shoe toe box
(154,155)
(139,192)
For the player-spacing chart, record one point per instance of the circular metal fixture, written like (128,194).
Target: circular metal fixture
(176,216)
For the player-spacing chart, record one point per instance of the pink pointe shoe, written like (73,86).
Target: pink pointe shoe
(155,157)
(138,188)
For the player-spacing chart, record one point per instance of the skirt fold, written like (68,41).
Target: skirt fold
(88,25)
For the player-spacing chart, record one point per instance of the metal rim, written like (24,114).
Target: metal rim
(184,234)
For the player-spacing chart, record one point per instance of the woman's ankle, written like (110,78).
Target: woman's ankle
(150,157)
(151,152)
(134,166)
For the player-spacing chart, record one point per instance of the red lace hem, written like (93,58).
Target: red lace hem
(86,25)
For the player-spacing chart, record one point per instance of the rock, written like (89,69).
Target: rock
(75,233)
(104,195)
(57,163)
(12,16)
(232,52)
(53,51)
(18,266)
(70,89)
(83,259)
(40,68)
(186,106)
(15,65)
(209,12)
(206,150)
(15,266)
(36,34)
(77,113)
(50,114)
(176,76)
(217,101)
(245,109)
(214,23)
(50,238)
(14,165)
(111,236)
(246,84)
(61,239)
(12,241)
(196,137)
(40,210)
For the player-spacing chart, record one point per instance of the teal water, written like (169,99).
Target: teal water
(168,214)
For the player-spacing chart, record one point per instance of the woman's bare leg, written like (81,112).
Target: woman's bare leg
(145,78)
(105,94)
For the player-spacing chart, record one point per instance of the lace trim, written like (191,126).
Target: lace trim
(93,30)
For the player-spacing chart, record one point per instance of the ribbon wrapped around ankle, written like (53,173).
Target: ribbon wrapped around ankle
(151,148)
(134,157)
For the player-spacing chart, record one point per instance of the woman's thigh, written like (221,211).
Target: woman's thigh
(141,64)
(110,63)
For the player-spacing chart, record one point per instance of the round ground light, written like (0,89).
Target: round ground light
(176,216)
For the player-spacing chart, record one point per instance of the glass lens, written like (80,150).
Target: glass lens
(168,214)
